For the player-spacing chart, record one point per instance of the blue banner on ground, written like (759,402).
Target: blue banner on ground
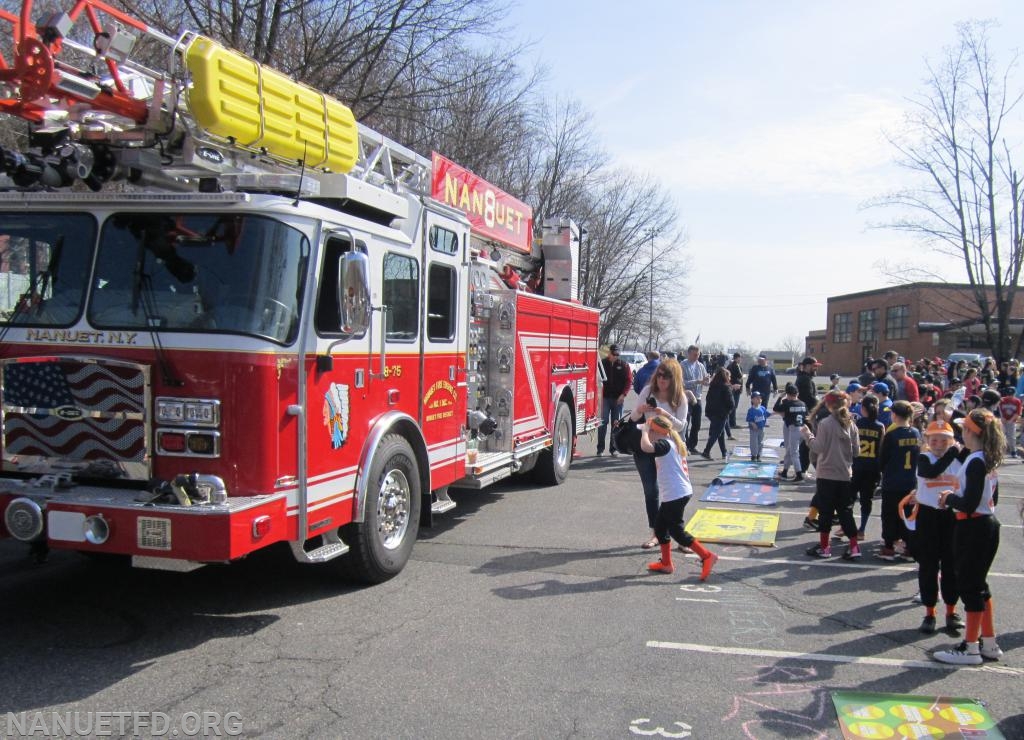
(749,470)
(757,493)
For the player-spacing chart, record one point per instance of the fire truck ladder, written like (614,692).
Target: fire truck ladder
(211,119)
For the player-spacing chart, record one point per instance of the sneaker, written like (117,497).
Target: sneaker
(784,475)
(860,535)
(810,524)
(820,552)
(706,455)
(916,598)
(798,477)
(599,453)
(989,650)
(614,453)
(886,553)
(927,626)
(851,554)
(963,654)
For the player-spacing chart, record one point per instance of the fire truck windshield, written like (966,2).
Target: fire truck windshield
(199,272)
(43,258)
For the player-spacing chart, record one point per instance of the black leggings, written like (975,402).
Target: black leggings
(834,501)
(892,525)
(933,550)
(864,483)
(975,542)
(670,522)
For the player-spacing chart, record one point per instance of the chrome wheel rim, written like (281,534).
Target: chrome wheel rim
(393,509)
(563,446)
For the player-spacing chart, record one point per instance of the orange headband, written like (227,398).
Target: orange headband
(972,425)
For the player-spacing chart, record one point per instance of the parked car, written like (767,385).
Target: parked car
(789,371)
(635,360)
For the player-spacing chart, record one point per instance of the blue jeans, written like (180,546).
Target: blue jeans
(611,411)
(648,470)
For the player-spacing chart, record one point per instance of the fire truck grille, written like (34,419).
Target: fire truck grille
(79,415)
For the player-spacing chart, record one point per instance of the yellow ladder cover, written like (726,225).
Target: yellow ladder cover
(233,97)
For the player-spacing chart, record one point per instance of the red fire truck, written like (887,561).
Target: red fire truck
(231,316)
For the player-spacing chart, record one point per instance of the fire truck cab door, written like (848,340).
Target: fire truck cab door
(443,372)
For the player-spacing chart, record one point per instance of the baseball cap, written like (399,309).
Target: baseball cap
(955,380)
(991,395)
(613,349)
(762,357)
(810,361)
(790,388)
(880,387)
(834,376)
(755,393)
(939,427)
(853,387)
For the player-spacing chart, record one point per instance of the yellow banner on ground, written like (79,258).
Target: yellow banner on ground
(733,527)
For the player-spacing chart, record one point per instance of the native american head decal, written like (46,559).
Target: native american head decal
(336,413)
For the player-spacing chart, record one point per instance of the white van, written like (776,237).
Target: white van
(635,360)
(967,357)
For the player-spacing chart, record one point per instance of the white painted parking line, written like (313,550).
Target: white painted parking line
(706,601)
(869,562)
(830,658)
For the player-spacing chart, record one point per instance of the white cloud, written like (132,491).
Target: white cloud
(838,149)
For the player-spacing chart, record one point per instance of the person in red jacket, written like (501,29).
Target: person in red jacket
(906,386)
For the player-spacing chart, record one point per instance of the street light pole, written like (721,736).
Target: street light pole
(650,234)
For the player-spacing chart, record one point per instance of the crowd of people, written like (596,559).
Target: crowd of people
(926,437)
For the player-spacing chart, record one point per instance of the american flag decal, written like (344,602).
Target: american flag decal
(83,413)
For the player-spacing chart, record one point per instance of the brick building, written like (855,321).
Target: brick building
(916,320)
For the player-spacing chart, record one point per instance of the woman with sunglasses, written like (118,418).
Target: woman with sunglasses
(663,397)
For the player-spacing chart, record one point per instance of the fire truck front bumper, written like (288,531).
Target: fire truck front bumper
(102,520)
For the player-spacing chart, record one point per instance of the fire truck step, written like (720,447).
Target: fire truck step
(326,552)
(441,502)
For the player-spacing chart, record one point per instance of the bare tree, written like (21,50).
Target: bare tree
(970,204)
(625,272)
(794,345)
(374,55)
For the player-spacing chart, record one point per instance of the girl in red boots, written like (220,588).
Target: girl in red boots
(976,536)
(660,439)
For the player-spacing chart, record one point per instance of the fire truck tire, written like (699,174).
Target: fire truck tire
(382,543)
(553,464)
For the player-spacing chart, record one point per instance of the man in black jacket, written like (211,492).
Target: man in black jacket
(618,376)
(806,392)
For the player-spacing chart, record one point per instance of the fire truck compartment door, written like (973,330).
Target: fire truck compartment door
(444,327)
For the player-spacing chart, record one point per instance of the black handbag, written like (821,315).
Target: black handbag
(627,436)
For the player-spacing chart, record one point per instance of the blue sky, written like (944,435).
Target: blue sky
(765,121)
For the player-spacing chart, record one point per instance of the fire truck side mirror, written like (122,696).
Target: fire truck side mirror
(354,293)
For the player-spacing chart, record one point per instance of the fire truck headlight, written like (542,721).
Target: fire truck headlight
(196,412)
(96,529)
(170,411)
